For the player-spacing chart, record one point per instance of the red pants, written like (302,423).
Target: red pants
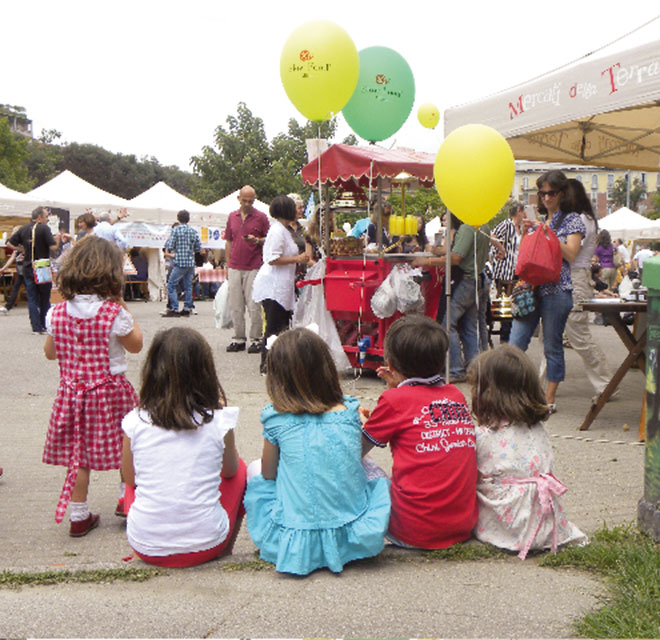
(231,499)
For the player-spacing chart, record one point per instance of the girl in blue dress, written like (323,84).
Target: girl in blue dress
(310,504)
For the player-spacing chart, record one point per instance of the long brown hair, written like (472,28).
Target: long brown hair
(180,387)
(94,265)
(506,386)
(302,377)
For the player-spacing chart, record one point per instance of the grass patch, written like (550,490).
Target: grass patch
(100,576)
(248,565)
(630,562)
(466,552)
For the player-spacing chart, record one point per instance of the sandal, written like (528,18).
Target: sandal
(552,408)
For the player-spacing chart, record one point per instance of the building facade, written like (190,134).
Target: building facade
(598,182)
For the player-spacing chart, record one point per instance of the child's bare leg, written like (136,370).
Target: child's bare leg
(79,493)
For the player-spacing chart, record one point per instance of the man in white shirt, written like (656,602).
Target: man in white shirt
(640,258)
(623,251)
(105,230)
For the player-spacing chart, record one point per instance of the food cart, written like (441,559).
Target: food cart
(351,280)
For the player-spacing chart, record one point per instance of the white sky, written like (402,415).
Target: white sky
(157,78)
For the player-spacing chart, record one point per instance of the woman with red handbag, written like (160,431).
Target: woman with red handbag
(554,299)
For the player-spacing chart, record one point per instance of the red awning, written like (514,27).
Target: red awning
(344,164)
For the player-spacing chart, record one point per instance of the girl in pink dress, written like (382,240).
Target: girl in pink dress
(88,334)
(518,495)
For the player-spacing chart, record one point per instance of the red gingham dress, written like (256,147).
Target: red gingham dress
(85,424)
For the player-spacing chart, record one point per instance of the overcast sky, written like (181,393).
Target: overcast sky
(156,78)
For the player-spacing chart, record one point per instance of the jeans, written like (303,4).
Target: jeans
(464,328)
(553,311)
(38,299)
(177,274)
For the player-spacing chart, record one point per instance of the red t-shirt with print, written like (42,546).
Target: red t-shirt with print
(434,470)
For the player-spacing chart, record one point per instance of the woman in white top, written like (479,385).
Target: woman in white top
(178,447)
(578,332)
(274,283)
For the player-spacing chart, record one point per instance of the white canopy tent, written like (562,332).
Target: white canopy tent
(603,111)
(627,224)
(68,191)
(15,204)
(230,203)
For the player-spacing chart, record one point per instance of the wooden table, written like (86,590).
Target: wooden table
(612,313)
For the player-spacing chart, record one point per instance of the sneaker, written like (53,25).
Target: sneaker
(236,346)
(457,379)
(184,312)
(4,310)
(170,314)
(83,527)
(255,347)
(40,333)
(119,509)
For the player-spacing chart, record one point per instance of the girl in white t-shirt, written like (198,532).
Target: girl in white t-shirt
(178,446)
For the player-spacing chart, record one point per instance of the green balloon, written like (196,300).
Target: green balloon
(384,95)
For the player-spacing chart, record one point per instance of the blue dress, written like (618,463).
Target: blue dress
(320,511)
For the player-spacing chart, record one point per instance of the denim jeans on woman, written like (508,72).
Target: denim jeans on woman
(464,327)
(552,310)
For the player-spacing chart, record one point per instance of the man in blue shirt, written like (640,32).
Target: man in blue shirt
(183,242)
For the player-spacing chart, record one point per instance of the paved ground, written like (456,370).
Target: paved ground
(399,594)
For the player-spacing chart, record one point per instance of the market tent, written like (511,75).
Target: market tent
(230,203)
(627,224)
(345,165)
(68,191)
(603,112)
(15,204)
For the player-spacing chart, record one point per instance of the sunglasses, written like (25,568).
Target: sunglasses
(551,193)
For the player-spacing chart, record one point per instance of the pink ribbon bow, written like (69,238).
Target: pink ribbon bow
(547,487)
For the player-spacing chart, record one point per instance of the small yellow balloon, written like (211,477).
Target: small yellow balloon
(474,172)
(428,115)
(319,67)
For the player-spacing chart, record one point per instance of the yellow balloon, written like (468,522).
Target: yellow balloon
(428,115)
(474,172)
(319,67)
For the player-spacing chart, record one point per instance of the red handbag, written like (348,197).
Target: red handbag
(539,257)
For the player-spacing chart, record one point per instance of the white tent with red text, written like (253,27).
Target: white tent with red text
(602,110)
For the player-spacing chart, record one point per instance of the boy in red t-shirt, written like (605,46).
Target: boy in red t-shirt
(428,426)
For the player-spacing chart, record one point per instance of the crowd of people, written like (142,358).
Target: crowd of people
(315,499)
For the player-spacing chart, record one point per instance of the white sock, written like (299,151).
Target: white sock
(122,490)
(79,511)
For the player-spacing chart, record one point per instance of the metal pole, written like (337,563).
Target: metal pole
(379,221)
(628,189)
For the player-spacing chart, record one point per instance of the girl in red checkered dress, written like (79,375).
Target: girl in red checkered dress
(88,334)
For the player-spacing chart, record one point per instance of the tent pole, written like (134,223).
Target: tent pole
(379,222)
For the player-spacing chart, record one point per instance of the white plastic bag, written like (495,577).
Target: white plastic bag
(408,293)
(221,307)
(310,308)
(383,302)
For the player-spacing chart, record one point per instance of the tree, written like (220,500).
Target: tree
(13,155)
(243,157)
(422,201)
(620,193)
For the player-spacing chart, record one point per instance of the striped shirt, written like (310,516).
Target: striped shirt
(506,233)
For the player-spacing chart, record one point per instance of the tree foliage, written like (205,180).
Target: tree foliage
(422,201)
(620,193)
(13,154)
(242,155)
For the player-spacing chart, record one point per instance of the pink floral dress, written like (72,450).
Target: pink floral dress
(85,423)
(518,496)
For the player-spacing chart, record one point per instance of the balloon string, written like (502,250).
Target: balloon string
(322,224)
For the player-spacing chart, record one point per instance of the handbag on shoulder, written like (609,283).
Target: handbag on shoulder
(523,299)
(43,274)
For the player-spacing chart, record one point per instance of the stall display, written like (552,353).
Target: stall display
(351,276)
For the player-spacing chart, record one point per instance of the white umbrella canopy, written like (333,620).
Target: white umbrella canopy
(603,112)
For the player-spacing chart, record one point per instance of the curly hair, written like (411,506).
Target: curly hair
(94,265)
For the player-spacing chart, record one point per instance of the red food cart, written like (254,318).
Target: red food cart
(350,281)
